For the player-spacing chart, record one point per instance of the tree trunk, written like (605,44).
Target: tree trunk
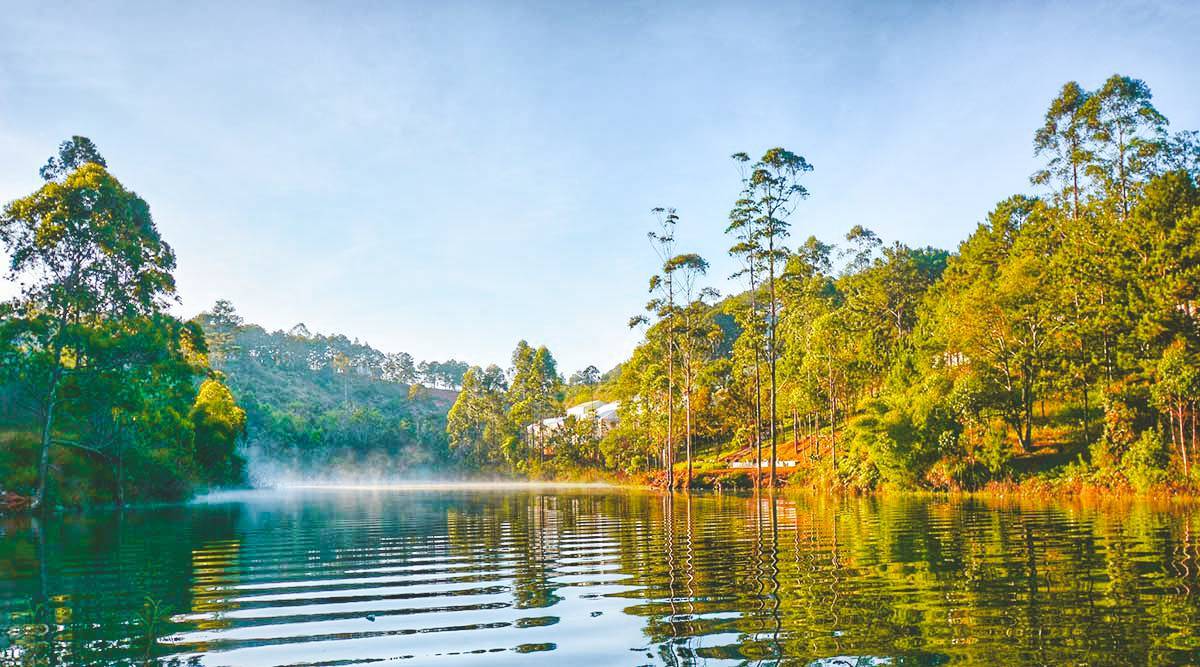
(771,352)
(832,421)
(1087,438)
(1193,428)
(833,436)
(757,419)
(688,426)
(39,499)
(1183,442)
(795,432)
(670,416)
(120,476)
(1026,434)
(816,441)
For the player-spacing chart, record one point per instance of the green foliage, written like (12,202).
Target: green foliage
(482,437)
(219,424)
(317,406)
(107,376)
(1144,463)
(902,432)
(950,369)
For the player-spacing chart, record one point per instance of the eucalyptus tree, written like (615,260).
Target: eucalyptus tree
(742,219)
(588,377)
(1063,141)
(662,308)
(535,388)
(1126,133)
(774,190)
(81,248)
(691,329)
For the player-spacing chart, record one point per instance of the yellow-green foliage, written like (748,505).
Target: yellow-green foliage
(219,423)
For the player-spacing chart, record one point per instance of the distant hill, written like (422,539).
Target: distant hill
(324,407)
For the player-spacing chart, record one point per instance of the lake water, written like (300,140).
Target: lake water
(602,577)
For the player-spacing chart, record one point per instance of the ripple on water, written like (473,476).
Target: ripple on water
(597,577)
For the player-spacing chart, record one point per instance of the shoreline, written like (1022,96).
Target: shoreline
(1041,492)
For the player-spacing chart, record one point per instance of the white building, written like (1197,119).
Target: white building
(604,414)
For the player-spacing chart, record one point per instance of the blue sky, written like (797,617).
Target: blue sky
(446,179)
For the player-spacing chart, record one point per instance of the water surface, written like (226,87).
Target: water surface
(601,577)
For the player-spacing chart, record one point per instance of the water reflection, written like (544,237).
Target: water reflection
(603,577)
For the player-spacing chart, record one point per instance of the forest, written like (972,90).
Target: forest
(107,398)
(327,407)
(1058,347)
(1055,348)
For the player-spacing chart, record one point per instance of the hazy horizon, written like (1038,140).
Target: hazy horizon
(448,180)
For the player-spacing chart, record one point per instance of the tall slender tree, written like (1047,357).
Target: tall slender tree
(687,325)
(775,190)
(742,226)
(662,307)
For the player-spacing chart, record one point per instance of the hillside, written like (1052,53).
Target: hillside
(324,407)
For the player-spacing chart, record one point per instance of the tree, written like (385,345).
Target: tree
(1176,391)
(589,376)
(742,219)
(993,312)
(662,307)
(478,426)
(219,424)
(72,154)
(536,387)
(774,191)
(1063,139)
(223,321)
(81,248)
(692,331)
(399,367)
(1126,133)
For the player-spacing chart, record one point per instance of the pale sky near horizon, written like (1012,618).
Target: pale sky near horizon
(448,178)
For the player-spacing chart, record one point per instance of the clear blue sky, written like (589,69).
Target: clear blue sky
(446,179)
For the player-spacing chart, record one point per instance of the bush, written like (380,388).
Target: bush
(1145,462)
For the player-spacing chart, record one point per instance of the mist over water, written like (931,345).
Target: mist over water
(502,574)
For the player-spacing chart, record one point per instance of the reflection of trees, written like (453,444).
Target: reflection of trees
(916,577)
(749,579)
(78,600)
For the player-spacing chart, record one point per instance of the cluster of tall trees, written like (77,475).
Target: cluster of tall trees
(298,348)
(327,406)
(102,388)
(1066,328)
(494,425)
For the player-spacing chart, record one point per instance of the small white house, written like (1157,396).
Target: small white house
(605,415)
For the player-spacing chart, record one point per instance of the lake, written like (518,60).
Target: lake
(580,577)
